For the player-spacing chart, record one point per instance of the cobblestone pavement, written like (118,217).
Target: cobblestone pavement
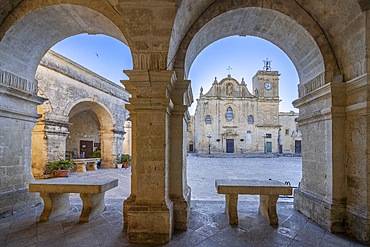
(208,226)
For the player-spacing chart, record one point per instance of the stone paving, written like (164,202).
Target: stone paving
(208,224)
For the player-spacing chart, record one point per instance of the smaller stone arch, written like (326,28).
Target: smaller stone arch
(103,109)
(110,136)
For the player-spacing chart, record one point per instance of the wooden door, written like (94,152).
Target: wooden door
(86,147)
(229,145)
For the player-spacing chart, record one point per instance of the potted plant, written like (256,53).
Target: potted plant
(59,168)
(123,160)
(96,154)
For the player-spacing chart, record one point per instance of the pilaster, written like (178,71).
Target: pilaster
(109,140)
(180,191)
(149,211)
(321,195)
(18,117)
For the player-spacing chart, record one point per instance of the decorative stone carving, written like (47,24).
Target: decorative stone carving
(16,82)
(306,88)
(149,60)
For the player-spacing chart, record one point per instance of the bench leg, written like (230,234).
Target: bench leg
(54,204)
(231,208)
(92,166)
(81,167)
(92,204)
(268,208)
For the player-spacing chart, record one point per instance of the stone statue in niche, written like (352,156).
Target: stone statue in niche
(229,89)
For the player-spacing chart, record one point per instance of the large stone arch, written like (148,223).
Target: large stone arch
(324,21)
(28,30)
(301,39)
(32,35)
(327,44)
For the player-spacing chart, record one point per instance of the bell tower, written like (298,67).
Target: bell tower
(266,82)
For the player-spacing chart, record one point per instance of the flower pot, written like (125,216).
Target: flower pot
(61,173)
(125,164)
(119,166)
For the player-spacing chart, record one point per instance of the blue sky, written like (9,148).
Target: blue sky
(108,57)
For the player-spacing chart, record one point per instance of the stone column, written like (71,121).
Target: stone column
(149,210)
(56,134)
(109,140)
(180,191)
(48,143)
(322,192)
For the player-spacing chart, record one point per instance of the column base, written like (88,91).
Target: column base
(126,206)
(358,224)
(330,215)
(181,212)
(150,224)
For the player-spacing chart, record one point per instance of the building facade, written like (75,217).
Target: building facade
(231,119)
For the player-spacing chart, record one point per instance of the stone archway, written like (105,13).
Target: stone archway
(99,130)
(27,33)
(322,62)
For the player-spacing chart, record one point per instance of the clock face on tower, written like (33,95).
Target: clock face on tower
(268,85)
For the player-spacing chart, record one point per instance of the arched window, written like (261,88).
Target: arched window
(208,119)
(229,114)
(250,119)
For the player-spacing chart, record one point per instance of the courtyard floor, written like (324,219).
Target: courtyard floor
(208,224)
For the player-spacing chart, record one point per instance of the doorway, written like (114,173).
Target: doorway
(229,145)
(298,147)
(86,147)
(268,147)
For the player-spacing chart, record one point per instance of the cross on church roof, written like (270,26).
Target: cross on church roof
(229,69)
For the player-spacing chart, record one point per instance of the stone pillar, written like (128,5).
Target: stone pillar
(127,144)
(56,135)
(39,150)
(358,146)
(108,147)
(48,143)
(18,117)
(180,191)
(322,192)
(149,210)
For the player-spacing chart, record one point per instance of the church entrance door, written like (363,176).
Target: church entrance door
(268,147)
(229,145)
(297,147)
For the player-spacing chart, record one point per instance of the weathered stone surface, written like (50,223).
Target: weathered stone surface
(326,40)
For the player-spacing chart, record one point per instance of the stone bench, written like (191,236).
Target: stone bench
(55,193)
(91,164)
(268,190)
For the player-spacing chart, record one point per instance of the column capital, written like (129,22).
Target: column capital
(149,104)
(149,83)
(182,93)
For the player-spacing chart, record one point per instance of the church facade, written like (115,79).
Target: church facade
(231,119)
